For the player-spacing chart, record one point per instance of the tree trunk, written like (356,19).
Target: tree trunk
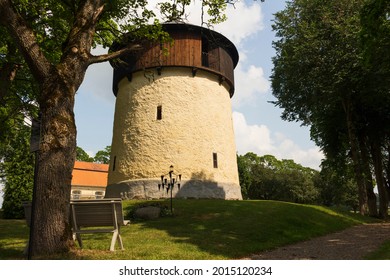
(356,158)
(380,180)
(368,182)
(51,229)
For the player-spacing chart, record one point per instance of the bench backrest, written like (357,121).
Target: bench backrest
(100,212)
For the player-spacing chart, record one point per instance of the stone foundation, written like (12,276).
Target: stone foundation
(148,189)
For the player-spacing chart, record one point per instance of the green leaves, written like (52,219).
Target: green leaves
(102,156)
(265,177)
(17,172)
(82,155)
(216,10)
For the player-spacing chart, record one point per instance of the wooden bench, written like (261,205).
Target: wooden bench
(98,216)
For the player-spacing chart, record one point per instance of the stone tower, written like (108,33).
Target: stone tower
(175,109)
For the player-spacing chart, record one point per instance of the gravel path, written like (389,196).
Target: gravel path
(351,244)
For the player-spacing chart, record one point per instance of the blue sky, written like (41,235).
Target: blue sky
(257,123)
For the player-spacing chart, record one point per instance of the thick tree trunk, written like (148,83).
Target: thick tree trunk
(51,228)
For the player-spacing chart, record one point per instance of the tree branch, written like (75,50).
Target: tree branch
(80,37)
(107,57)
(25,40)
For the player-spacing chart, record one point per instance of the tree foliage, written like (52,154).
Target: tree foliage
(321,79)
(336,185)
(101,156)
(17,173)
(265,177)
(18,92)
(82,155)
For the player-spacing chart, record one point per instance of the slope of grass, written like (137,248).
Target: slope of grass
(200,229)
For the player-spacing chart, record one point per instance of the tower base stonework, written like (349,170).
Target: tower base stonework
(190,189)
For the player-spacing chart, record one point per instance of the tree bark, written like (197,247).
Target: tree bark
(52,231)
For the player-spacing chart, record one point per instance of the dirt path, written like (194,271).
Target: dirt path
(351,244)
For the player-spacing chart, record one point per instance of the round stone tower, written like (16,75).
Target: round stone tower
(173,108)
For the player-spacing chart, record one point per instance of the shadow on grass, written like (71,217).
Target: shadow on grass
(11,253)
(219,229)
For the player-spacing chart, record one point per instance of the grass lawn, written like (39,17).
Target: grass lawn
(199,229)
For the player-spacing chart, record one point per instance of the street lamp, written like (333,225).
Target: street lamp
(169,183)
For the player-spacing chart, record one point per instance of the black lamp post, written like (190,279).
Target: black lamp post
(169,182)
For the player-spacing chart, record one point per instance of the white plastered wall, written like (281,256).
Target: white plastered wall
(196,122)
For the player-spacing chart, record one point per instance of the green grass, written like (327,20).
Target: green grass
(13,238)
(200,229)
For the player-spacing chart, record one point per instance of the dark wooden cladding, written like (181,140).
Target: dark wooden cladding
(193,46)
(184,51)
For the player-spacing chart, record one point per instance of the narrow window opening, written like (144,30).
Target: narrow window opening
(159,112)
(114,163)
(215,160)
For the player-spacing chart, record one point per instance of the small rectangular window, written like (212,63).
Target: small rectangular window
(159,112)
(114,164)
(215,160)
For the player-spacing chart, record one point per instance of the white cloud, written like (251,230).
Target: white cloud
(243,19)
(254,138)
(260,140)
(250,82)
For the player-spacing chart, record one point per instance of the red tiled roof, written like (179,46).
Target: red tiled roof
(89,174)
